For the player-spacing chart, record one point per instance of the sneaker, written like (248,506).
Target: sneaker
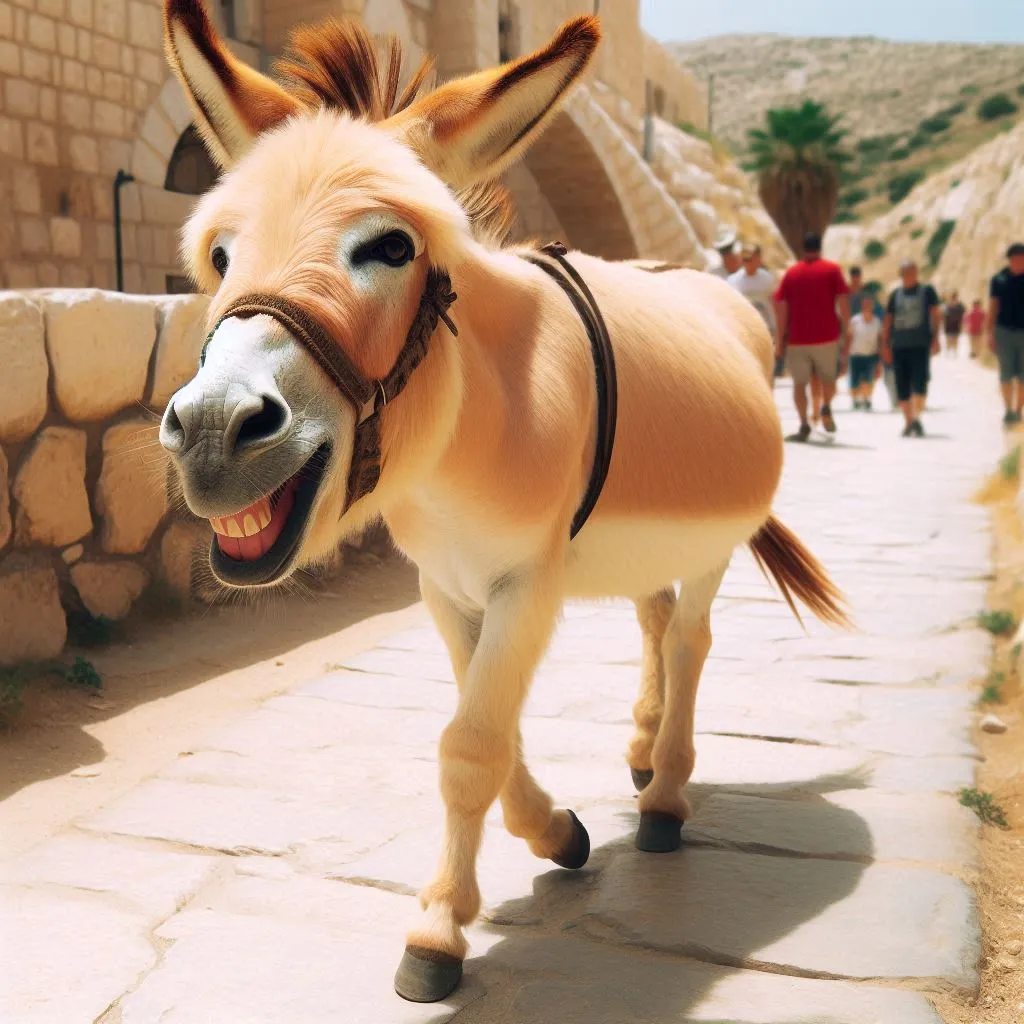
(826,419)
(802,434)
(867,405)
(1009,418)
(917,429)
(908,430)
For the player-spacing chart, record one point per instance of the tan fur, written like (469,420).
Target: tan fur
(488,450)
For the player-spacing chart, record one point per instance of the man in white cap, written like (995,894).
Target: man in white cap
(725,246)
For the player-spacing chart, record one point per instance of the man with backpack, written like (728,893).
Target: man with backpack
(910,337)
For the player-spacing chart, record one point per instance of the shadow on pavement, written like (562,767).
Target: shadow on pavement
(161,657)
(697,915)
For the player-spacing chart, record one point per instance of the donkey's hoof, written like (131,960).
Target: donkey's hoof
(426,975)
(577,851)
(658,833)
(641,778)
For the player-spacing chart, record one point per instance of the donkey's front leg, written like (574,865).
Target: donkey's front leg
(477,751)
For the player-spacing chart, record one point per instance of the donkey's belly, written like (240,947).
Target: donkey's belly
(634,557)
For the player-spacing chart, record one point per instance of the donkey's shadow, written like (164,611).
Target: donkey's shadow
(653,938)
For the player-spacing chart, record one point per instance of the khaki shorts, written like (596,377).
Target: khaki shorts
(820,360)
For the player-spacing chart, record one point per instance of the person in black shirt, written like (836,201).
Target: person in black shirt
(910,337)
(1006,330)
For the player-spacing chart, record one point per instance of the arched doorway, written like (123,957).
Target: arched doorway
(190,169)
(575,183)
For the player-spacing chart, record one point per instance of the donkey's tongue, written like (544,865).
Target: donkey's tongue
(250,534)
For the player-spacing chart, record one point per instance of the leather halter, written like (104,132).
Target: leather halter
(368,397)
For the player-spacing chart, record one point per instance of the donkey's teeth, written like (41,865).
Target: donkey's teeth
(250,527)
(218,526)
(234,530)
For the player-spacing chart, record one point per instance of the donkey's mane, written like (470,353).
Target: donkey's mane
(337,64)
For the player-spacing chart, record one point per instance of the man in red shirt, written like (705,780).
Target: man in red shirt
(819,340)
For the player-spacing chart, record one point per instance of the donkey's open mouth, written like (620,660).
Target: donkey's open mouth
(256,546)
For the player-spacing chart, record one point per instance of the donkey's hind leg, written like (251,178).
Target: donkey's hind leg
(687,640)
(653,613)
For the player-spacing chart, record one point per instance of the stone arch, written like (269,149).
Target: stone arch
(576,184)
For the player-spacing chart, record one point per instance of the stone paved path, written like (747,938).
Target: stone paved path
(268,874)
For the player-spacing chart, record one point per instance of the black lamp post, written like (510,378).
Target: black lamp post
(122,178)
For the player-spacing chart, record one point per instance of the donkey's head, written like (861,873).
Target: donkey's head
(325,245)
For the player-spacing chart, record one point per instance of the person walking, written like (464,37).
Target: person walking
(807,299)
(975,322)
(865,333)
(757,285)
(725,246)
(953,313)
(910,336)
(1006,330)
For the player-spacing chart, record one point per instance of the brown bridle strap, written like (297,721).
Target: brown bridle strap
(367,397)
(568,278)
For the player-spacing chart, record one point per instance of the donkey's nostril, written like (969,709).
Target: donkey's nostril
(263,424)
(172,430)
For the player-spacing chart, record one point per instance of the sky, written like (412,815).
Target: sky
(964,21)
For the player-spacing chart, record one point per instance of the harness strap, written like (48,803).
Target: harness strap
(569,280)
(367,397)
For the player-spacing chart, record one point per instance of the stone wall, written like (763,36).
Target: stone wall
(85,524)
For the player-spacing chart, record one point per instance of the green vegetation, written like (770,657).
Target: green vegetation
(999,621)
(1009,465)
(900,186)
(844,215)
(874,250)
(899,154)
(1020,89)
(798,156)
(937,244)
(935,124)
(984,806)
(853,196)
(906,219)
(996,106)
(916,233)
(993,692)
(15,678)
(969,90)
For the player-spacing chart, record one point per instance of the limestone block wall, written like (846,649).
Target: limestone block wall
(85,523)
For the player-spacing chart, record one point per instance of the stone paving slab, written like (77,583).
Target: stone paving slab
(268,873)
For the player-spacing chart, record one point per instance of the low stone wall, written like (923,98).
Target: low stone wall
(85,523)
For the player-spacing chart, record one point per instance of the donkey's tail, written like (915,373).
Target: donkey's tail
(782,557)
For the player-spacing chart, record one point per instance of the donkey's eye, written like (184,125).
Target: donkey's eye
(394,249)
(219,259)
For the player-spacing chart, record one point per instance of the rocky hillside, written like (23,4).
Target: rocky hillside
(956,224)
(883,87)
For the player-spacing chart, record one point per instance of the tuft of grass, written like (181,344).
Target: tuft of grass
(906,219)
(916,233)
(984,806)
(993,691)
(83,673)
(998,621)
(1009,465)
(900,186)
(935,124)
(15,678)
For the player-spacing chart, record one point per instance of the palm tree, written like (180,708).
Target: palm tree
(798,158)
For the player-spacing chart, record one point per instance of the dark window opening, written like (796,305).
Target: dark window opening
(190,169)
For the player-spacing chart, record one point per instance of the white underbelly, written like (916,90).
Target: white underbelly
(636,557)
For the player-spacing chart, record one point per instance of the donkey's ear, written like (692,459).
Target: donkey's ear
(474,127)
(232,102)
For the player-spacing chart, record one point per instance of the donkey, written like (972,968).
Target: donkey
(564,427)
